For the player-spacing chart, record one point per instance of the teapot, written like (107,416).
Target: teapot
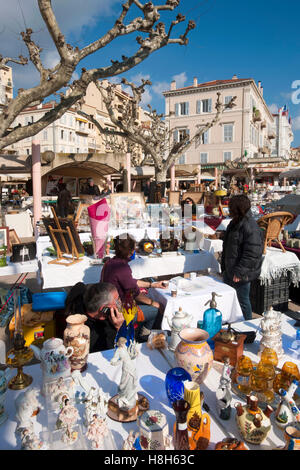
(179,321)
(54,358)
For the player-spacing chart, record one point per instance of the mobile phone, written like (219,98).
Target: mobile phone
(106,311)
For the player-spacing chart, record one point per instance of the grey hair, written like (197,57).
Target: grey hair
(98,295)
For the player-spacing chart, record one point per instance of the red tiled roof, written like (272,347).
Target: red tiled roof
(214,83)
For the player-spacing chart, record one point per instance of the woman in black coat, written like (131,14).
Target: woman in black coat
(242,251)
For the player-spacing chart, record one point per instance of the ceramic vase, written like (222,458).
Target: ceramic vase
(192,396)
(175,383)
(181,437)
(77,335)
(254,424)
(154,431)
(292,438)
(194,354)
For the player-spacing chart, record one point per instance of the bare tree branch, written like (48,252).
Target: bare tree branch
(55,79)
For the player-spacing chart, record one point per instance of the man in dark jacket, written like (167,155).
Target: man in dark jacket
(242,251)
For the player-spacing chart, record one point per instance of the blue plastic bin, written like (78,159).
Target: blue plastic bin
(47,301)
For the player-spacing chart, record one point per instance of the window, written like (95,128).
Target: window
(62,134)
(227,156)
(181,160)
(227,100)
(228,132)
(203,158)
(182,109)
(45,135)
(180,134)
(204,106)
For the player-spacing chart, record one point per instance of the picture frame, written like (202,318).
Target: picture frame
(4,238)
(127,208)
(13,237)
(63,240)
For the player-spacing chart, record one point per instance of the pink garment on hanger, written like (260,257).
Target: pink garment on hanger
(99,214)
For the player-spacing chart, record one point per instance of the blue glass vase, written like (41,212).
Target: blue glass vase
(174,384)
(212,323)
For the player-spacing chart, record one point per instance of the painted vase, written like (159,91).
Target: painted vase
(198,423)
(175,383)
(292,438)
(253,423)
(154,431)
(77,336)
(194,354)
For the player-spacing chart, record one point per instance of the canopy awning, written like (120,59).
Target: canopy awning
(293,173)
(81,119)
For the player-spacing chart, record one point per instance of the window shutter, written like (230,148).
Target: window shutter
(209,105)
(177,109)
(198,107)
(187,108)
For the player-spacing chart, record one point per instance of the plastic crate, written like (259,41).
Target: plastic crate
(48,301)
(275,295)
(295,294)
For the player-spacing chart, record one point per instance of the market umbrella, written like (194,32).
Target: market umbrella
(290,203)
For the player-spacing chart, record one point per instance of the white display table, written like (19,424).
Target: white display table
(193,297)
(152,367)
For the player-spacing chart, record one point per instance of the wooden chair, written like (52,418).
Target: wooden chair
(273,224)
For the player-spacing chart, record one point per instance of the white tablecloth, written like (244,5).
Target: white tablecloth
(151,368)
(19,268)
(193,297)
(276,263)
(55,276)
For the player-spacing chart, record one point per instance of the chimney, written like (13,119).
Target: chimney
(260,88)
(234,77)
(195,81)
(173,85)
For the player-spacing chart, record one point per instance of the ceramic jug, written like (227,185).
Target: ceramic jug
(254,424)
(54,357)
(179,321)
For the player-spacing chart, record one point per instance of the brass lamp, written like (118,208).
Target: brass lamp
(19,355)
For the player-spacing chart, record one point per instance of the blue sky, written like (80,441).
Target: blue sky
(253,39)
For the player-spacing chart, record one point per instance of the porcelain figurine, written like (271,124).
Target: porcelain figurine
(223,393)
(127,390)
(253,423)
(128,444)
(271,332)
(54,357)
(30,441)
(5,376)
(27,406)
(179,321)
(287,412)
(59,388)
(97,431)
(66,421)
(96,404)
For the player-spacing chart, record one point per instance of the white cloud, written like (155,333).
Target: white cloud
(137,79)
(296,123)
(273,108)
(146,98)
(180,79)
(159,87)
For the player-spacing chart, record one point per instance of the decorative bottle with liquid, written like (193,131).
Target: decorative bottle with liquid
(212,319)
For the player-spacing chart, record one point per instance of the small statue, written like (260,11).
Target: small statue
(66,420)
(287,412)
(129,443)
(96,403)
(27,406)
(223,393)
(97,431)
(127,390)
(30,441)
(58,389)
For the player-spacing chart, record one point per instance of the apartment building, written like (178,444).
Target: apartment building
(247,129)
(6,85)
(281,145)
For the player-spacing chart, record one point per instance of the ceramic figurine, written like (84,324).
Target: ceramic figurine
(271,333)
(97,431)
(223,393)
(30,441)
(27,406)
(154,431)
(54,357)
(96,403)
(253,423)
(127,390)
(287,412)
(128,444)
(66,421)
(179,321)
(4,378)
(230,443)
(58,389)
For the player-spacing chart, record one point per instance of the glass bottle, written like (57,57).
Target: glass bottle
(181,437)
(243,371)
(212,320)
(289,372)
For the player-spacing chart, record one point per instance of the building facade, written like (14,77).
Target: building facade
(6,85)
(247,129)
